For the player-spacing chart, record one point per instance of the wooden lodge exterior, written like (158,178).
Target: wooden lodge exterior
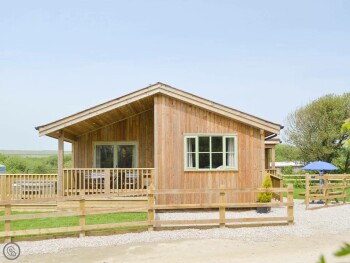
(159,133)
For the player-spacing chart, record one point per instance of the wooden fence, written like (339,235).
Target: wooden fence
(294,178)
(152,209)
(301,178)
(332,187)
(222,206)
(82,212)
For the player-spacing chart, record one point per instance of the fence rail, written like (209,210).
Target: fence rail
(329,187)
(290,178)
(152,209)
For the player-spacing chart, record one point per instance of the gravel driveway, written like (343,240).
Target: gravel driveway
(332,221)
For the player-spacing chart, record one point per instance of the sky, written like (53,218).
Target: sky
(266,58)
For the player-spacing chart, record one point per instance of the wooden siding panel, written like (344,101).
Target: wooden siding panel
(136,128)
(175,118)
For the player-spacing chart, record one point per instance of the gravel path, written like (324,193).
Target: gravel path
(334,220)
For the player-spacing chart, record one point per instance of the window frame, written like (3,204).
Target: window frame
(224,152)
(115,153)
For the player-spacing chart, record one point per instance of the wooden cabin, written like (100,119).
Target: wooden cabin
(166,136)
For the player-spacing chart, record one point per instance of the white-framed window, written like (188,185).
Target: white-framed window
(211,152)
(115,154)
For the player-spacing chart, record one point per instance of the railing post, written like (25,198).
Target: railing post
(290,209)
(60,164)
(3,186)
(307,191)
(107,181)
(82,219)
(151,210)
(153,172)
(222,207)
(7,223)
(8,192)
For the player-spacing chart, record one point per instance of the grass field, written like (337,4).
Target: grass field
(73,220)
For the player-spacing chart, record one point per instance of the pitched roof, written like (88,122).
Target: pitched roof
(143,94)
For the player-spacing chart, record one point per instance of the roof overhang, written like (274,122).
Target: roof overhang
(125,106)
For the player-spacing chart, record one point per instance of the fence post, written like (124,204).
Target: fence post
(307,191)
(82,219)
(151,210)
(107,181)
(222,207)
(326,181)
(7,222)
(281,186)
(290,209)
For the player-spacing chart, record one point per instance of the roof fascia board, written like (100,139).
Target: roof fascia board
(96,111)
(166,90)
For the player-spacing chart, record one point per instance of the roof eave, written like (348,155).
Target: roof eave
(165,90)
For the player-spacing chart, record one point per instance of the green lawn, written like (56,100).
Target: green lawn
(73,220)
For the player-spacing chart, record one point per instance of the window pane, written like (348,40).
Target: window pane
(230,160)
(203,143)
(230,152)
(204,162)
(126,156)
(191,160)
(230,145)
(216,144)
(104,156)
(191,145)
(216,160)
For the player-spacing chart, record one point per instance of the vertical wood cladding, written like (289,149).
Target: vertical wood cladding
(176,118)
(136,128)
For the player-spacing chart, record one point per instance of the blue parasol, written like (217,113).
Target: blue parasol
(319,165)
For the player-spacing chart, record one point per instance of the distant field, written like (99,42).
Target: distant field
(24,153)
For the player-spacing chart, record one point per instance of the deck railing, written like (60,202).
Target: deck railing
(27,186)
(121,181)
(271,171)
(277,182)
(82,181)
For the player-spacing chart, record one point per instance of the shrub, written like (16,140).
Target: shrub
(265,197)
(298,183)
